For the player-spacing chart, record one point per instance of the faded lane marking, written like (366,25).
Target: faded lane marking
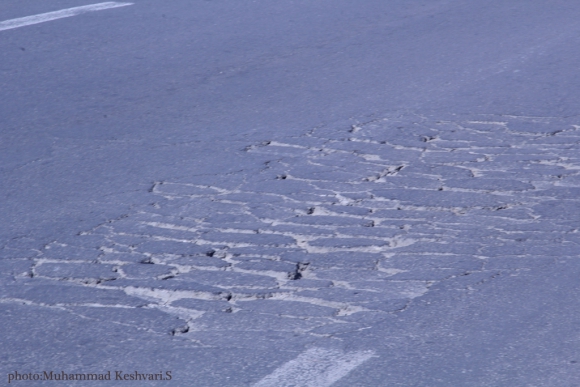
(316,367)
(44,17)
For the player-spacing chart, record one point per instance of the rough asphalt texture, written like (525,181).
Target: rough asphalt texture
(445,240)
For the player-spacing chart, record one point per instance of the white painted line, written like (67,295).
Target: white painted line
(316,367)
(44,17)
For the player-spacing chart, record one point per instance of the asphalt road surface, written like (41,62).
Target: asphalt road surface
(290,193)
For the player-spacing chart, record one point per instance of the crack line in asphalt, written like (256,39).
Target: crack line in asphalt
(343,228)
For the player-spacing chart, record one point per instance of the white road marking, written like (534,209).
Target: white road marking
(316,367)
(44,17)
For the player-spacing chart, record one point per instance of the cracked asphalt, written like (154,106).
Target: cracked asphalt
(218,215)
